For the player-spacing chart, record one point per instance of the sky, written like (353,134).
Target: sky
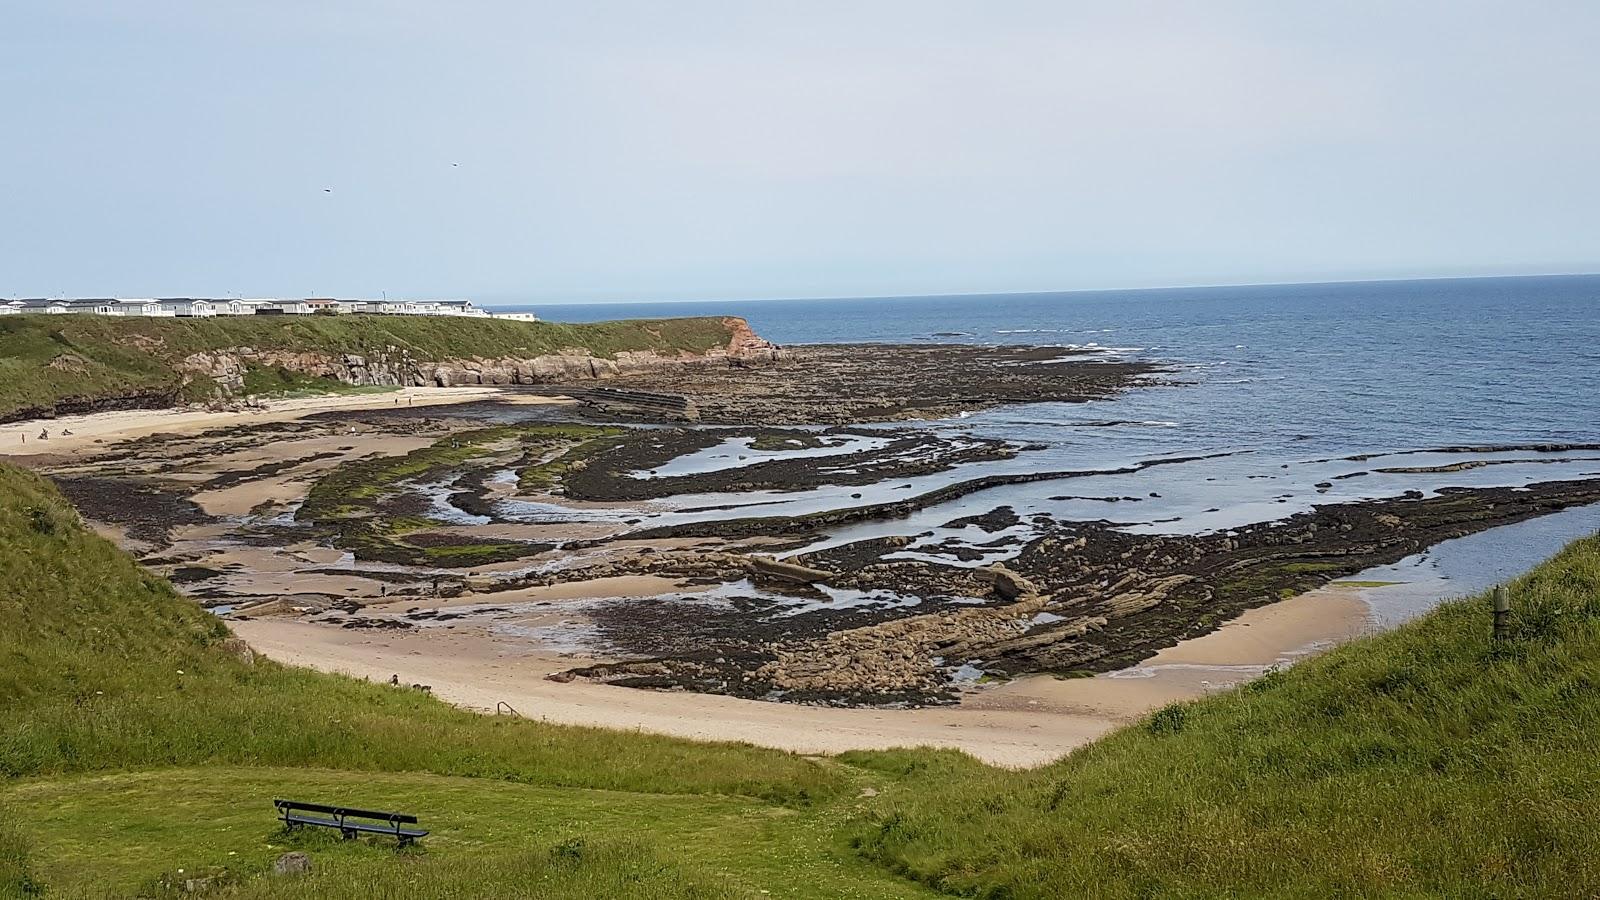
(606,150)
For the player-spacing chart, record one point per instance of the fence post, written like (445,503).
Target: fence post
(1502,613)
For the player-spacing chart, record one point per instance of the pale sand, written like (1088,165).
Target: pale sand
(1028,722)
(109,427)
(1276,635)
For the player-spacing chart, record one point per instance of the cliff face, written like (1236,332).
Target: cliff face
(58,365)
(392,365)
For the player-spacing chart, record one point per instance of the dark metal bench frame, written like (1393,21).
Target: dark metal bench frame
(290,812)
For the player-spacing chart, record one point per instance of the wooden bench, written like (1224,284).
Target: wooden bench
(295,814)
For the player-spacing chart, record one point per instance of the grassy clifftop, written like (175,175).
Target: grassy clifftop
(80,359)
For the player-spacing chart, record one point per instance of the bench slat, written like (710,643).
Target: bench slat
(311,820)
(285,805)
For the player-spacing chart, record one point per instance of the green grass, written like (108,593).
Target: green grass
(154,815)
(1425,762)
(273,381)
(133,744)
(17,876)
(48,360)
(104,667)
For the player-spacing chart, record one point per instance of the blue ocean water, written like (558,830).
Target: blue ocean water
(1317,368)
(1273,400)
(1290,395)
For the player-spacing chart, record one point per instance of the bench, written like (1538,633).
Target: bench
(295,814)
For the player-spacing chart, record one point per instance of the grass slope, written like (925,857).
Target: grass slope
(1424,762)
(46,360)
(133,743)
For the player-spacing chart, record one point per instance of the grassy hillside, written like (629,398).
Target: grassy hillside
(46,360)
(1424,762)
(137,751)
(133,743)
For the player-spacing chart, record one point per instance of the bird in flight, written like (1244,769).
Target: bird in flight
(327,190)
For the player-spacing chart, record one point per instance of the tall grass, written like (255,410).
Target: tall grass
(103,666)
(1425,762)
(17,880)
(570,870)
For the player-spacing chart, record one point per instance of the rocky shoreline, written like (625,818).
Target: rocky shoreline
(1084,598)
(844,384)
(376,519)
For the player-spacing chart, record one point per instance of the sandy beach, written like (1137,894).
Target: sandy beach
(1028,722)
(92,429)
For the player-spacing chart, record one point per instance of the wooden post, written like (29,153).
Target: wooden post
(1502,613)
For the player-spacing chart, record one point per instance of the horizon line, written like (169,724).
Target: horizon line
(1028,293)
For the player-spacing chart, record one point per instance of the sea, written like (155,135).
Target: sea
(1287,391)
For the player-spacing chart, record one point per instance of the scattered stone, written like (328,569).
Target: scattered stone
(238,649)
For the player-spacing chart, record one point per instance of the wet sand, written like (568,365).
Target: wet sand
(1277,635)
(1027,722)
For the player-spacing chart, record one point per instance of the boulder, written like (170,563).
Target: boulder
(767,567)
(1008,584)
(238,649)
(292,863)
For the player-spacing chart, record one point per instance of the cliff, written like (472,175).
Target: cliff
(55,365)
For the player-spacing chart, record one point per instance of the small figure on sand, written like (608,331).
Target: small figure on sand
(44,434)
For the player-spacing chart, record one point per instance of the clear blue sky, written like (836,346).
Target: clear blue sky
(589,149)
